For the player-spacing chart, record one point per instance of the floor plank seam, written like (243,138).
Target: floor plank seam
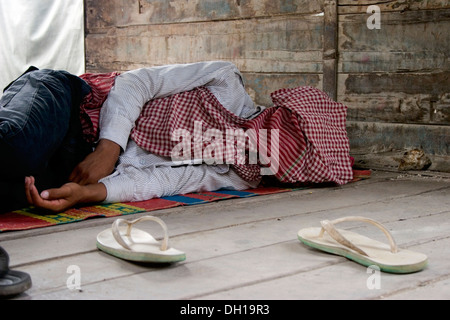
(419,284)
(36,262)
(268,279)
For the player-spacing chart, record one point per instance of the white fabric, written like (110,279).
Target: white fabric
(141,176)
(48,34)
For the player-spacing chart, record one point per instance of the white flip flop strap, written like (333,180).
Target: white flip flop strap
(119,238)
(328,226)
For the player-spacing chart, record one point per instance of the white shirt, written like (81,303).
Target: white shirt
(141,175)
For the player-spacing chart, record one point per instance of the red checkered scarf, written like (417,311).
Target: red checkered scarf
(101,84)
(313,143)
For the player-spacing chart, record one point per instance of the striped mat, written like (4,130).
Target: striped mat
(31,218)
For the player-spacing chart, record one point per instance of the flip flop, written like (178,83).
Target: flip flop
(12,282)
(132,244)
(363,250)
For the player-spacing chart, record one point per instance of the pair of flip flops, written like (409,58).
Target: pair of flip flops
(12,282)
(126,242)
(361,249)
(129,243)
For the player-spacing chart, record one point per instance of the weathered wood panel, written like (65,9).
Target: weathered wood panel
(261,85)
(120,13)
(404,77)
(378,144)
(396,46)
(395,78)
(398,108)
(276,45)
(406,97)
(330,49)
(399,136)
(360,6)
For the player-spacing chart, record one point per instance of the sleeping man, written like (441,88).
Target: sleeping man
(120,170)
(149,113)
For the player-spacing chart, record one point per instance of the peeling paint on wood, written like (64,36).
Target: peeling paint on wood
(398,108)
(277,45)
(330,48)
(386,136)
(260,86)
(360,6)
(434,84)
(396,47)
(113,13)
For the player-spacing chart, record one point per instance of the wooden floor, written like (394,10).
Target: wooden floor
(248,248)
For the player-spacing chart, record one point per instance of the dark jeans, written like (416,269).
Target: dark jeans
(40,133)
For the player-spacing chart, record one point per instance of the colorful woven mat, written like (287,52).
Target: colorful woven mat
(32,218)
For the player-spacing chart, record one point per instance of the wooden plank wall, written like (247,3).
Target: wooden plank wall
(274,43)
(395,80)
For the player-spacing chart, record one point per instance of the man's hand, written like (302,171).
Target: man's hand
(97,165)
(61,199)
